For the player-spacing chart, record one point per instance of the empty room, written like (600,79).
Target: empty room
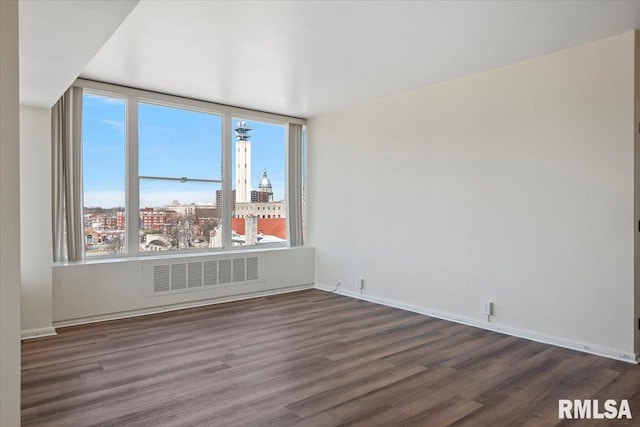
(319,213)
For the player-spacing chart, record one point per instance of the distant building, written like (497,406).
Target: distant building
(207,219)
(120,220)
(262,204)
(261,210)
(219,199)
(181,210)
(206,212)
(156,220)
(243,163)
(103,219)
(276,228)
(265,192)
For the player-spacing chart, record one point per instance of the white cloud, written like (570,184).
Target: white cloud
(119,126)
(147,129)
(99,99)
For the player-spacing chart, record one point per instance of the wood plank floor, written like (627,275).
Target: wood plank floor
(308,358)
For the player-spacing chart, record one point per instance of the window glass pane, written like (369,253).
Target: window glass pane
(179,216)
(258,173)
(103,151)
(176,143)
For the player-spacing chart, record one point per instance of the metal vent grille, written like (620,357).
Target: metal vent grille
(224,271)
(189,275)
(210,273)
(195,274)
(252,268)
(238,270)
(178,276)
(161,278)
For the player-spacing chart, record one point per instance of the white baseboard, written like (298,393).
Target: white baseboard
(38,333)
(598,351)
(180,306)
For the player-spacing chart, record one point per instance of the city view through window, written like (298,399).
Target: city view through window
(179,179)
(180,169)
(258,177)
(103,168)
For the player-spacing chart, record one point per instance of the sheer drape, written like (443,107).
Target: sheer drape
(294,196)
(66,180)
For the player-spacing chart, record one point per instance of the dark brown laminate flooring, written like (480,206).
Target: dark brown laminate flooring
(307,358)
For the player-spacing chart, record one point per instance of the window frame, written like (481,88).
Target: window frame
(107,93)
(140,178)
(132,98)
(253,118)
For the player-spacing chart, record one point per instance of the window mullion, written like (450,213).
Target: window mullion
(227,200)
(132,192)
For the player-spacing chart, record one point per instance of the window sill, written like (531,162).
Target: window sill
(154,257)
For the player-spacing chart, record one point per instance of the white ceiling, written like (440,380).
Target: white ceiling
(58,39)
(305,58)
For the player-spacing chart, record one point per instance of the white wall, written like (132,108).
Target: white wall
(9,217)
(637,187)
(35,221)
(515,185)
(104,290)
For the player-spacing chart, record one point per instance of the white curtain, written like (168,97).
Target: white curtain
(66,180)
(294,196)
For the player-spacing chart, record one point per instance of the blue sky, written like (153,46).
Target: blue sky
(172,143)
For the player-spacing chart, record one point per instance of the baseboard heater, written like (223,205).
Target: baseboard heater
(184,275)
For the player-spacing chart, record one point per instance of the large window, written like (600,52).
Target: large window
(163,174)
(258,174)
(103,150)
(180,171)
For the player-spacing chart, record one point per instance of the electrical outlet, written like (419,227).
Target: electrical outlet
(487,308)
